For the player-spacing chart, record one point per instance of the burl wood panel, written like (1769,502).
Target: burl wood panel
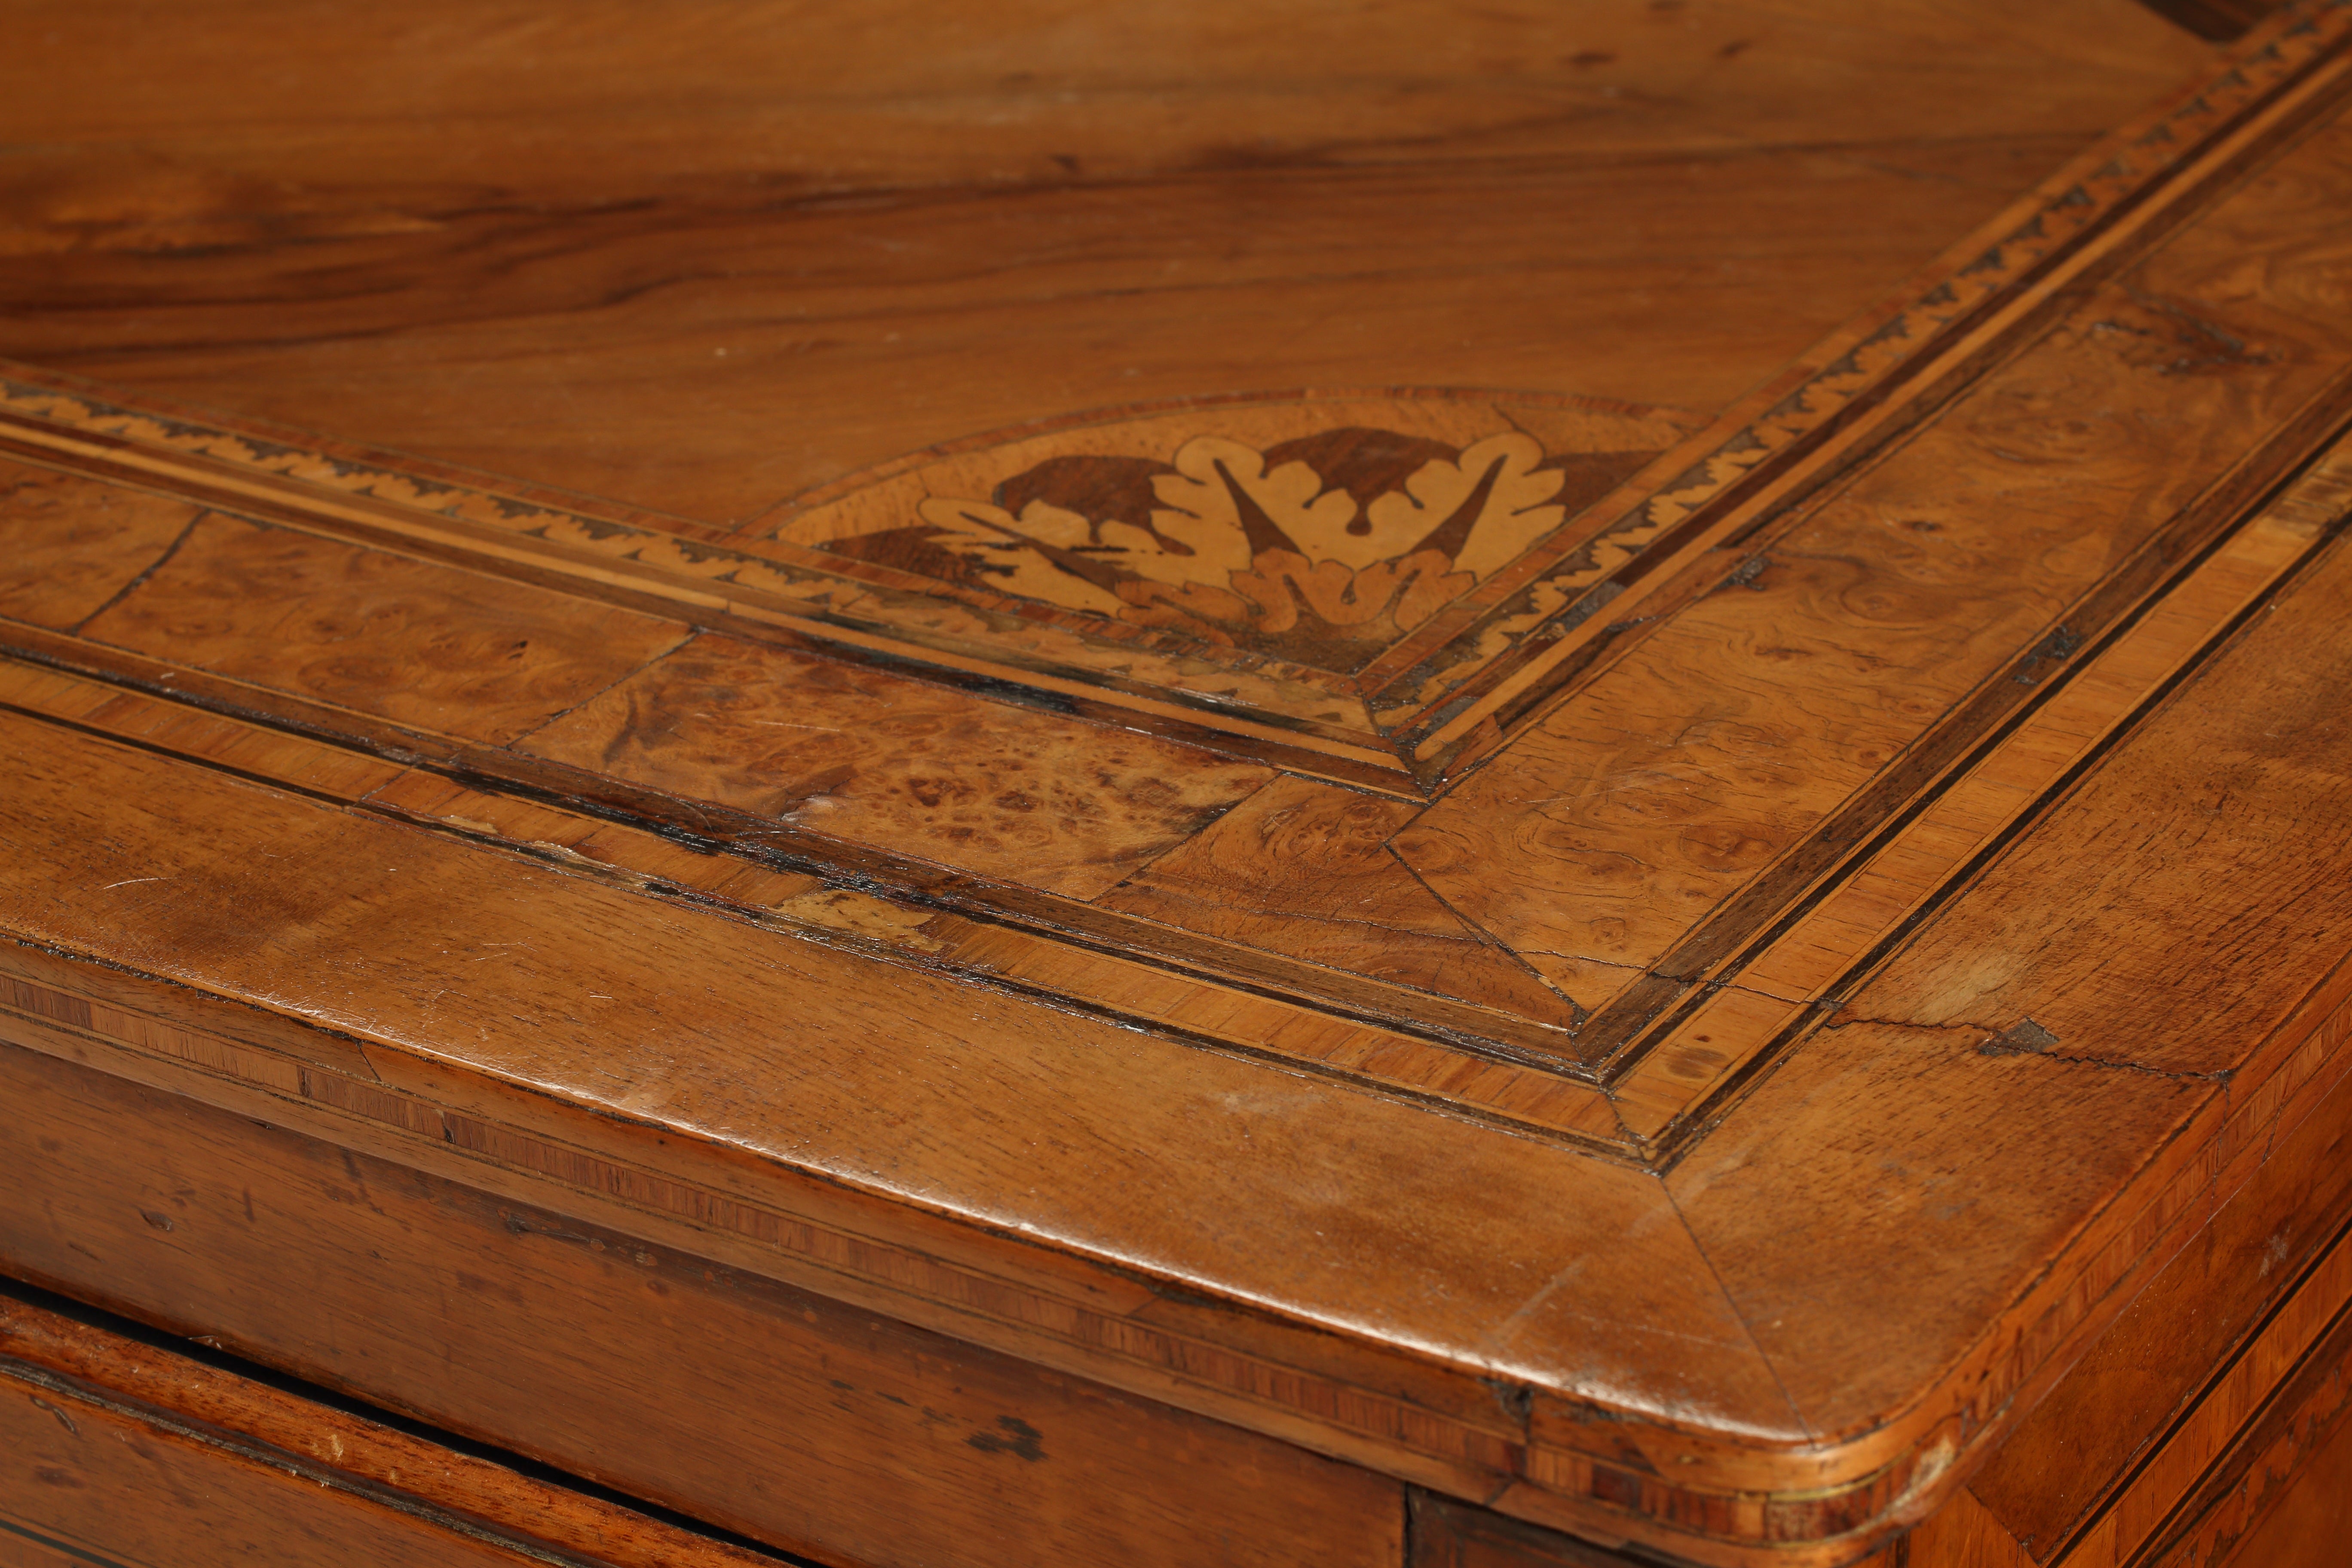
(1338,895)
(74,543)
(773,246)
(113,1451)
(428,645)
(853,753)
(835,908)
(843,1435)
(877,759)
(1645,800)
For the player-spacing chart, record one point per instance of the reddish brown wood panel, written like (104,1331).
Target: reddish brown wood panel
(700,258)
(1707,758)
(432,645)
(29,1553)
(877,759)
(2239,1478)
(2218,19)
(1305,869)
(847,1436)
(1416,937)
(2066,1458)
(1916,1094)
(1962,1534)
(74,545)
(85,1484)
(1449,1534)
(2309,1517)
(114,1451)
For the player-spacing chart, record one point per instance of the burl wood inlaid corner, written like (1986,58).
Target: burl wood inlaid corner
(1298,784)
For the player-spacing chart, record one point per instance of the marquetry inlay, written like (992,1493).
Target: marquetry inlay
(1315,531)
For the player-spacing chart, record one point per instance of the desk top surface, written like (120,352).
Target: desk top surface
(1607,769)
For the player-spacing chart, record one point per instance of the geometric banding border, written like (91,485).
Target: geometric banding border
(1489,603)
(1685,1064)
(1649,1102)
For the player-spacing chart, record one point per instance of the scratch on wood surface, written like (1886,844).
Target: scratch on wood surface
(64,1420)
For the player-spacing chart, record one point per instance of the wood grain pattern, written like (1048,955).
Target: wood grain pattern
(1715,1061)
(1565,1312)
(2075,202)
(1323,193)
(1440,1532)
(1667,1006)
(383,633)
(2091,695)
(1535,631)
(2309,1516)
(2287,1387)
(1917,1120)
(1065,1316)
(1446,1534)
(82,1484)
(2233,1507)
(1962,1535)
(2112,325)
(120,1451)
(2252,762)
(1074,1131)
(2066,1460)
(2218,19)
(74,545)
(1851,634)
(2047,228)
(976,1448)
(864,756)
(30,1552)
(1930,1018)
(841,907)
(1304,868)
(1130,675)
(718,89)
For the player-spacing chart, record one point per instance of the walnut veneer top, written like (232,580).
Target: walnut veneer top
(1601,759)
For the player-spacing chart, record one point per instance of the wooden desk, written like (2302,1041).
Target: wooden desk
(1145,785)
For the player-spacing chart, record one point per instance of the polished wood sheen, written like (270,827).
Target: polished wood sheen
(119,1452)
(1320,783)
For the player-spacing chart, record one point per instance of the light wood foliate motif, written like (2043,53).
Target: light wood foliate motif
(1314,532)
(1311,534)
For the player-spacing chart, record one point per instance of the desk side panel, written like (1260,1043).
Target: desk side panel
(848,1436)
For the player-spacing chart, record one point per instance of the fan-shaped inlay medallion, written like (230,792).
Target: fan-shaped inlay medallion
(1319,532)
(1271,543)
